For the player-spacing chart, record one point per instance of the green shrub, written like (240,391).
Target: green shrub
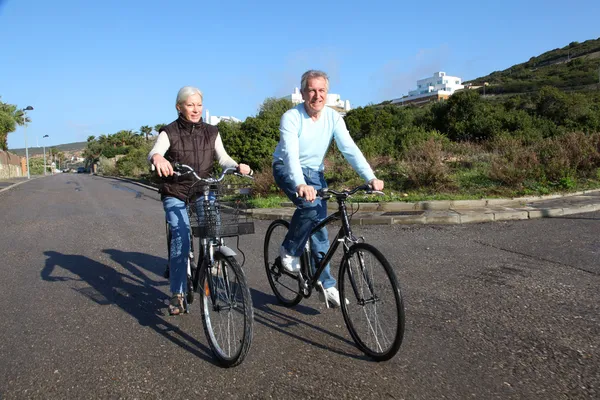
(424,165)
(135,163)
(107,166)
(513,163)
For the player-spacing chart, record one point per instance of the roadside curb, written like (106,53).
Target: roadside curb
(444,212)
(17,184)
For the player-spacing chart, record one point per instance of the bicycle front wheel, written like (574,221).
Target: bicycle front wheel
(374,310)
(226,310)
(285,286)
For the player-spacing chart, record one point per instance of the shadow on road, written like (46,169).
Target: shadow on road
(133,294)
(266,313)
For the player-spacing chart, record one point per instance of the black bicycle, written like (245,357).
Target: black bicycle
(371,300)
(215,211)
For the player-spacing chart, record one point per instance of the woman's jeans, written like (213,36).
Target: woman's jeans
(305,218)
(179,225)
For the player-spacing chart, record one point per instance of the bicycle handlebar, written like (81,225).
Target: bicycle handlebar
(183,169)
(326,192)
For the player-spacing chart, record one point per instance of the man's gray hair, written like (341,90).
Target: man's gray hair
(311,74)
(185,92)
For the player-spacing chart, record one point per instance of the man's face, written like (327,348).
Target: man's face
(315,95)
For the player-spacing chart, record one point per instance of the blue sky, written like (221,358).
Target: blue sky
(91,68)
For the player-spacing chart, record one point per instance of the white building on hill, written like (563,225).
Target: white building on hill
(437,87)
(333,100)
(214,120)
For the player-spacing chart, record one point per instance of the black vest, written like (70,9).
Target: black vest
(192,144)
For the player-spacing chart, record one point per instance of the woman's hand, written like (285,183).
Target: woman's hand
(376,184)
(244,169)
(163,167)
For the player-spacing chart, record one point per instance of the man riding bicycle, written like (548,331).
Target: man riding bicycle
(187,140)
(306,132)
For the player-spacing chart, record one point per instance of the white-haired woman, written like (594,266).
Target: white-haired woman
(187,140)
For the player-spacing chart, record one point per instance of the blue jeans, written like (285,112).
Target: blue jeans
(305,218)
(179,225)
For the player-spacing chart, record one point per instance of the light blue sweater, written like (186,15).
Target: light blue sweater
(304,143)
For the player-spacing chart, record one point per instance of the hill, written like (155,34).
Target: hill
(575,67)
(70,148)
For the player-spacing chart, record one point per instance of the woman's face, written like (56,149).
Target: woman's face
(191,109)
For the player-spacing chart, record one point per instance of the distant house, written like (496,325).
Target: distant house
(434,88)
(214,120)
(333,100)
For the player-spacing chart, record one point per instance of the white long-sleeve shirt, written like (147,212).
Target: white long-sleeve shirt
(162,145)
(303,142)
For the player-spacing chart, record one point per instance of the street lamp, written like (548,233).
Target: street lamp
(44,146)
(28,108)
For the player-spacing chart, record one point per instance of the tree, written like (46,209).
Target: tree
(253,141)
(10,117)
(146,131)
(159,127)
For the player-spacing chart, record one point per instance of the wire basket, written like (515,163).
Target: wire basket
(219,210)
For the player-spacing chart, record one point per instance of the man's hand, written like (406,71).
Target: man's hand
(161,164)
(308,192)
(376,184)
(244,169)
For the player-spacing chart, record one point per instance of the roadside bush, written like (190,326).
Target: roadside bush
(339,172)
(571,155)
(391,171)
(107,166)
(424,165)
(513,163)
(264,184)
(135,163)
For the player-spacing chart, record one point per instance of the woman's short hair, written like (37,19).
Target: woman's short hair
(311,74)
(185,92)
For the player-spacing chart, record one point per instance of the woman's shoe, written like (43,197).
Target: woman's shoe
(176,304)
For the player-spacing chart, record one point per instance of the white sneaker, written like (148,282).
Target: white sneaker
(332,296)
(289,262)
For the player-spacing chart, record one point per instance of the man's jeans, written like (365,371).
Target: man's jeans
(179,225)
(305,218)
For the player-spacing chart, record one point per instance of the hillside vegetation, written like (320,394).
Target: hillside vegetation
(573,67)
(66,148)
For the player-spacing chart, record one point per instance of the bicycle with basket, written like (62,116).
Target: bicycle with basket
(216,211)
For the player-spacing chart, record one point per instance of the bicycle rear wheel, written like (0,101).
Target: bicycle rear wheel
(374,314)
(227,312)
(285,286)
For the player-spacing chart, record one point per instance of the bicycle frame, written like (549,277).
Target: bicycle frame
(344,234)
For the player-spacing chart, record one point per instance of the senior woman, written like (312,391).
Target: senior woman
(187,140)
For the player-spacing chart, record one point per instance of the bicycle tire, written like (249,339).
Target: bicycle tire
(232,300)
(285,288)
(364,277)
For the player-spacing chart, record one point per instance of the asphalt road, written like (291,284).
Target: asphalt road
(505,310)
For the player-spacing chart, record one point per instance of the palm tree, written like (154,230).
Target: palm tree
(146,131)
(10,117)
(159,127)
